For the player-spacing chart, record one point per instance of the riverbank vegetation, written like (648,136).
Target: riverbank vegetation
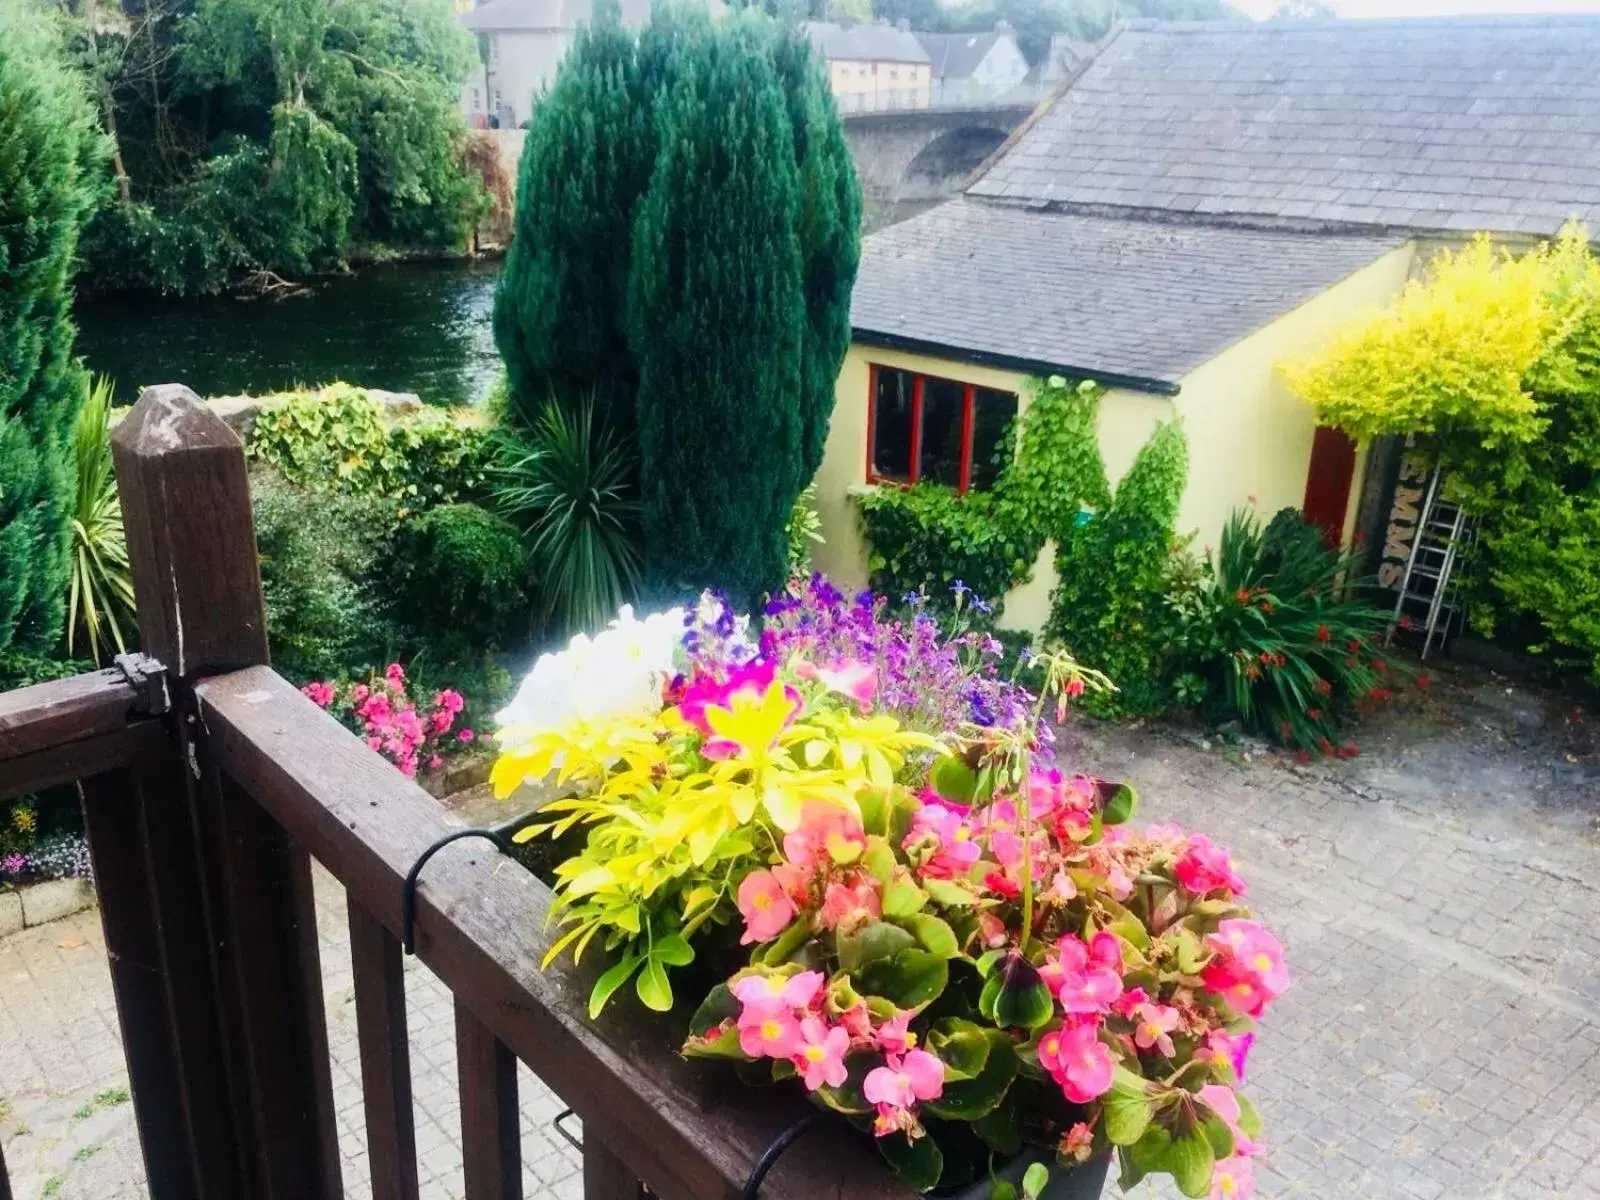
(259,138)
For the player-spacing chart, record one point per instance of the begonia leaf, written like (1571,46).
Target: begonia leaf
(909,978)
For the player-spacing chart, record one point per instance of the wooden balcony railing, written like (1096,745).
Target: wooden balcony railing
(206,795)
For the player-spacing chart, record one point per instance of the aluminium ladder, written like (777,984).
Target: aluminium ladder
(1429,585)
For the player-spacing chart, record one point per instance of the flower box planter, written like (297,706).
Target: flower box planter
(848,847)
(1085,1182)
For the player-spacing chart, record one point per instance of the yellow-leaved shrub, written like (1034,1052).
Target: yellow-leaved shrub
(1451,354)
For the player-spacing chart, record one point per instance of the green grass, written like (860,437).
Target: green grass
(85,1153)
(52,1188)
(109,1098)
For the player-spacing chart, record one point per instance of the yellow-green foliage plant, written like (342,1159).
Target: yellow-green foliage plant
(1452,354)
(682,803)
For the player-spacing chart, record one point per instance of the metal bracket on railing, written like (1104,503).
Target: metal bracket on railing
(567,1135)
(149,678)
(408,897)
(774,1151)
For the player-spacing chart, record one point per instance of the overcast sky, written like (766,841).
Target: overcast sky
(1432,8)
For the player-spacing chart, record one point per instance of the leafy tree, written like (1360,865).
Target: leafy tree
(1037,21)
(273,134)
(48,169)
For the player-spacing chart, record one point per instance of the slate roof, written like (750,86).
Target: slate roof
(957,55)
(1427,125)
(1132,302)
(865,43)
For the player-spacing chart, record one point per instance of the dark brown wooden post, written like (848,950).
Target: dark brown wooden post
(385,1056)
(491,1124)
(5,1180)
(605,1176)
(191,544)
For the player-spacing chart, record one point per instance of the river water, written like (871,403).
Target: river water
(415,327)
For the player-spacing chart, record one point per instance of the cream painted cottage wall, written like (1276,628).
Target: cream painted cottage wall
(1249,435)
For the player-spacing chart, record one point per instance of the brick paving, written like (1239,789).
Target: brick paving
(1439,898)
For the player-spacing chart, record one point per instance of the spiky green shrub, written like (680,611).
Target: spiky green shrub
(100,596)
(48,187)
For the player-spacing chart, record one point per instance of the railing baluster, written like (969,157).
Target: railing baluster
(385,1056)
(491,1126)
(143,850)
(605,1176)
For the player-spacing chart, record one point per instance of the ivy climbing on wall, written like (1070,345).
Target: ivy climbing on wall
(1114,549)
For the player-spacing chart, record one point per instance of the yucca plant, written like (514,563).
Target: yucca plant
(100,593)
(566,483)
(1283,636)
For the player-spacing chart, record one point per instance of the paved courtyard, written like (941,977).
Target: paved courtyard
(1439,898)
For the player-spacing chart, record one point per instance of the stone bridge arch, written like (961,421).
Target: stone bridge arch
(908,159)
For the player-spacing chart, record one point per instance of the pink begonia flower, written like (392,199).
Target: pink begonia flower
(359,693)
(1105,950)
(1233,1179)
(768,1035)
(778,993)
(901,1082)
(1224,1101)
(765,906)
(1255,949)
(796,883)
(950,837)
(1230,1048)
(821,1057)
(1127,1004)
(1153,1030)
(1062,888)
(1081,986)
(449,700)
(320,694)
(892,1119)
(1118,882)
(441,720)
(374,743)
(1167,833)
(825,831)
(894,1036)
(395,674)
(854,679)
(992,930)
(466,735)
(1242,991)
(1077,1144)
(857,1021)
(1079,1062)
(435,761)
(1204,867)
(850,906)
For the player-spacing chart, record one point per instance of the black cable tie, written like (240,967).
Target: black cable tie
(408,896)
(774,1151)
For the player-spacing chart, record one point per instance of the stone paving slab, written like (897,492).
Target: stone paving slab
(1438,897)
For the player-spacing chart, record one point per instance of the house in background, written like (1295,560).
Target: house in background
(973,67)
(1202,202)
(521,43)
(873,68)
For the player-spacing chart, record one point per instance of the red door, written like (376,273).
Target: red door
(1333,468)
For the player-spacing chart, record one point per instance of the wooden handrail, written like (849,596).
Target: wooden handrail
(689,1131)
(57,732)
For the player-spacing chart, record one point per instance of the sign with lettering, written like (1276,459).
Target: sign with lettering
(1405,512)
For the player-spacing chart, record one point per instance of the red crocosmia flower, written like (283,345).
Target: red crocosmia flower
(1422,682)
(1324,633)
(1242,596)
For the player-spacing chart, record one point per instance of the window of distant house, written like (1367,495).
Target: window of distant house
(494,49)
(920,427)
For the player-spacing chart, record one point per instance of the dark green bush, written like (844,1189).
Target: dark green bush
(1280,636)
(324,558)
(462,567)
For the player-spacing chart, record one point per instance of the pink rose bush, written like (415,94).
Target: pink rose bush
(381,711)
(926,925)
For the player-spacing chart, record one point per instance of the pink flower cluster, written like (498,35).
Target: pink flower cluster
(818,874)
(1247,968)
(384,715)
(787,1017)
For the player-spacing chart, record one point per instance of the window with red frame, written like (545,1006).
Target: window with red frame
(921,427)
